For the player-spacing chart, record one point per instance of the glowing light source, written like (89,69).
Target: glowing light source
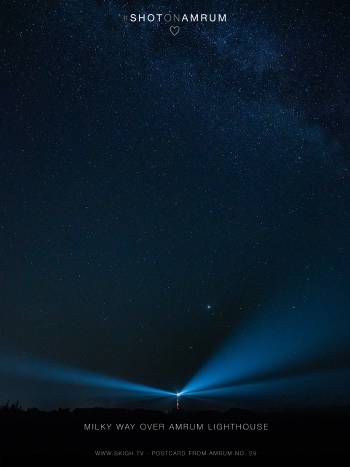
(178,395)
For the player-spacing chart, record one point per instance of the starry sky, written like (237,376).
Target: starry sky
(158,193)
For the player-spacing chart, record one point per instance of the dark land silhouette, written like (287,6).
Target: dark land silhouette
(81,437)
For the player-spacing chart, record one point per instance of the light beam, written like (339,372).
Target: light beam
(51,372)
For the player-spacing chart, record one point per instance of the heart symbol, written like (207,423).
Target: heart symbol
(174,30)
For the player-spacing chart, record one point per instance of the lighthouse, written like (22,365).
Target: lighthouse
(178,395)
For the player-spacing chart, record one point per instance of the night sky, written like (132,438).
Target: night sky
(160,195)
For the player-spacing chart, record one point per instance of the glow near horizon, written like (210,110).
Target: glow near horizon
(273,353)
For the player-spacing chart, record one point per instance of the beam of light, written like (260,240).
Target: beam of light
(287,337)
(312,389)
(50,372)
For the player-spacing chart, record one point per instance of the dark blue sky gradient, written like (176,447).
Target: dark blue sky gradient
(145,177)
